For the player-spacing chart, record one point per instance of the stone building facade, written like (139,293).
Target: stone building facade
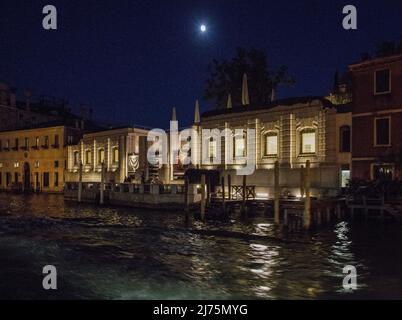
(122,150)
(289,131)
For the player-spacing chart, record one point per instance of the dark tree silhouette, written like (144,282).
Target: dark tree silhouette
(388,48)
(225,77)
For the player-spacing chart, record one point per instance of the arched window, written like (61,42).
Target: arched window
(344,139)
(308,141)
(270,144)
(212,148)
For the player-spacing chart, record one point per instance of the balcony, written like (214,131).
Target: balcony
(55,146)
(14,148)
(25,148)
(35,147)
(45,146)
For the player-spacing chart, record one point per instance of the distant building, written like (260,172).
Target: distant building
(32,111)
(35,159)
(122,150)
(377,118)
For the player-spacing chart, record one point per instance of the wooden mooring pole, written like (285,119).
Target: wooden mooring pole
(203,197)
(223,193)
(102,184)
(229,187)
(276,193)
(80,182)
(186,199)
(307,201)
(244,196)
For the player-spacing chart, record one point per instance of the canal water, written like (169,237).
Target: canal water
(125,253)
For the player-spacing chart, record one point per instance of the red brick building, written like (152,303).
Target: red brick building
(377,118)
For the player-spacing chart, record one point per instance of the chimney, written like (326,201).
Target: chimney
(28,95)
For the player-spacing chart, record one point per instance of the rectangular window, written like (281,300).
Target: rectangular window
(16,144)
(36,164)
(115,155)
(76,158)
(16,164)
(16,177)
(308,142)
(1,145)
(46,179)
(1,178)
(56,179)
(26,143)
(345,175)
(46,141)
(56,141)
(88,157)
(240,147)
(70,139)
(56,164)
(271,145)
(212,149)
(101,156)
(37,142)
(344,137)
(382,81)
(8,179)
(382,131)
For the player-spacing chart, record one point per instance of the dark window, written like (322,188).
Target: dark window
(344,139)
(382,81)
(76,158)
(8,178)
(46,179)
(16,143)
(382,131)
(56,179)
(16,177)
(56,141)
(1,178)
(56,164)
(1,145)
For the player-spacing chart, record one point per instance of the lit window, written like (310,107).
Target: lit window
(382,131)
(271,144)
(16,164)
(101,156)
(212,148)
(37,142)
(308,141)
(1,164)
(240,146)
(382,81)
(115,155)
(345,175)
(88,157)
(383,172)
(76,158)
(36,164)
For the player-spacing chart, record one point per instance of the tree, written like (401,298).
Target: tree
(387,48)
(225,77)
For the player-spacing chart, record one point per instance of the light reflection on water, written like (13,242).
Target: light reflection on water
(123,253)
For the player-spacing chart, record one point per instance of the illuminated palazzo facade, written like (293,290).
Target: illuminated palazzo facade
(122,150)
(289,131)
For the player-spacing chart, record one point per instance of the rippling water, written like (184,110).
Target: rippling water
(121,253)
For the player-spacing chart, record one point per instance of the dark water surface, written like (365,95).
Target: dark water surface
(124,253)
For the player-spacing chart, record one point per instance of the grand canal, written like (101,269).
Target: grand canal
(124,253)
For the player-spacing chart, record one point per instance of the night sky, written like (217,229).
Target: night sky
(132,61)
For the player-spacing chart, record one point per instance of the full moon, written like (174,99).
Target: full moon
(203,28)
